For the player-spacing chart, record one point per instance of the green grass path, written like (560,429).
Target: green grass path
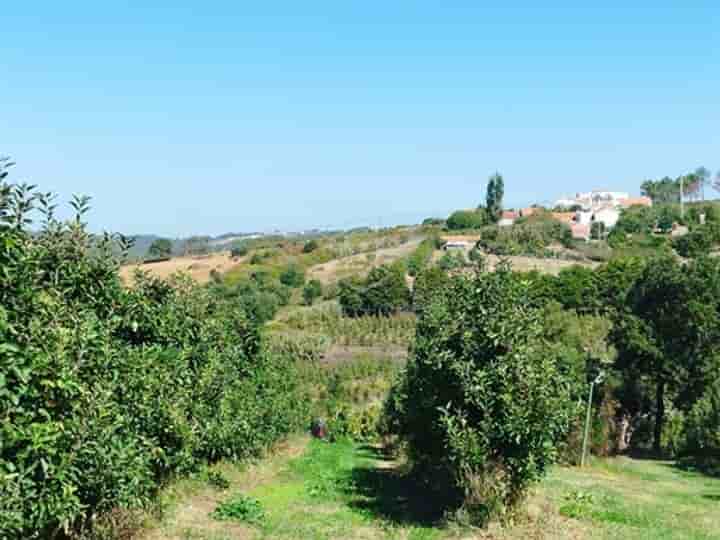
(339,490)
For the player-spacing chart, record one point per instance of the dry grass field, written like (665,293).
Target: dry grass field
(361,263)
(199,268)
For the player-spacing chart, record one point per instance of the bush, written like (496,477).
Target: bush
(699,241)
(383,292)
(429,283)
(312,291)
(702,432)
(293,276)
(108,391)
(467,219)
(310,246)
(530,236)
(481,406)
(452,260)
(422,256)
(239,251)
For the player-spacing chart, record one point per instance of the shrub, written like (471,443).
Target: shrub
(421,256)
(109,391)
(429,283)
(240,508)
(698,241)
(312,291)
(467,219)
(702,433)
(293,276)
(239,251)
(383,292)
(529,236)
(310,246)
(452,260)
(480,406)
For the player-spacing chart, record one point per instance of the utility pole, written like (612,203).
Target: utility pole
(682,190)
(597,380)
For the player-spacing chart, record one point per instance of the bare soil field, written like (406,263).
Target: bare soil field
(199,268)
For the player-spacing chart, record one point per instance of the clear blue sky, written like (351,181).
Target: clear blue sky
(207,117)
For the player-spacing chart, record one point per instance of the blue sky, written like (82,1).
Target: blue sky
(189,117)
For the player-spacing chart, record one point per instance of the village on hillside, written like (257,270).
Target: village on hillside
(581,211)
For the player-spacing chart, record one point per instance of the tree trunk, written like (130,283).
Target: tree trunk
(623,433)
(659,416)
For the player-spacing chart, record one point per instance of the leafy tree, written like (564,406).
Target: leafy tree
(702,434)
(312,291)
(466,219)
(310,246)
(452,260)
(481,407)
(433,221)
(239,250)
(699,241)
(383,292)
(428,283)
(197,245)
(670,331)
(663,191)
(162,247)
(293,276)
(107,391)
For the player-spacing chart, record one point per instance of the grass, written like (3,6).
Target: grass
(331,492)
(638,499)
(316,490)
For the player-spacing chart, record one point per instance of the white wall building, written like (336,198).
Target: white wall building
(607,215)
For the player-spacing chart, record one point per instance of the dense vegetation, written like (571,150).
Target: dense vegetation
(106,391)
(481,405)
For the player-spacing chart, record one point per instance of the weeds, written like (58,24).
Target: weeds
(240,508)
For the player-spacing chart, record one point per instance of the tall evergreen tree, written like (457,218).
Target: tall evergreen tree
(494,197)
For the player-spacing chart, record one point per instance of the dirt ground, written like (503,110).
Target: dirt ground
(361,263)
(198,267)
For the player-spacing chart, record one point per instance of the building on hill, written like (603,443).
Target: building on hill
(580,231)
(527,212)
(607,215)
(508,218)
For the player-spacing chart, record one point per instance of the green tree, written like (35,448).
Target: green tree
(481,406)
(239,250)
(293,276)
(162,247)
(663,191)
(310,246)
(197,245)
(312,291)
(494,197)
(466,219)
(383,292)
(669,332)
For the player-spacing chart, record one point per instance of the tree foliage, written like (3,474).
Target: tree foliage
(467,219)
(105,391)
(383,292)
(481,407)
(494,197)
(162,247)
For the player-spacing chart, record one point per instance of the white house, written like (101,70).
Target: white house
(607,215)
